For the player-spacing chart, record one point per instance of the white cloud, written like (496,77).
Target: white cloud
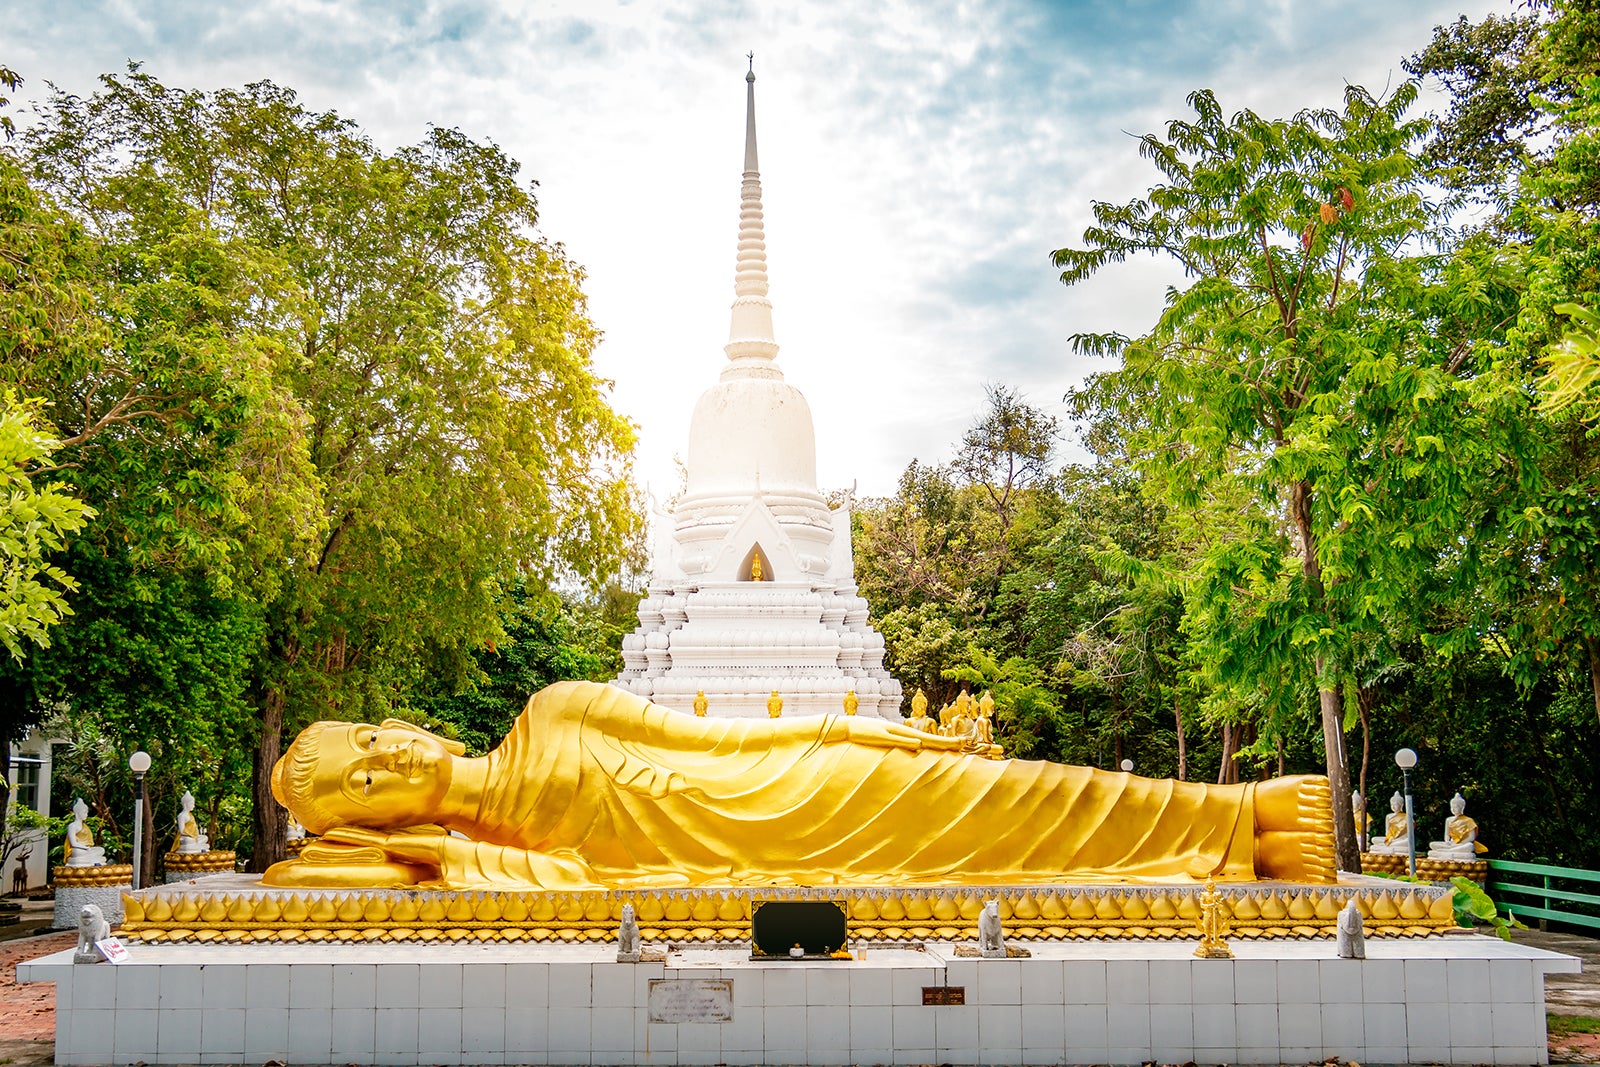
(919,160)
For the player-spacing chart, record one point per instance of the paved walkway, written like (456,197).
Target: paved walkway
(1569,994)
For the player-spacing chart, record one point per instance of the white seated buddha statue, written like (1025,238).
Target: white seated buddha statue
(190,838)
(1460,835)
(1396,831)
(81,850)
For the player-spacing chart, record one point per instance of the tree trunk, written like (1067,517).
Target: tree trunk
(1594,671)
(1347,855)
(271,845)
(1225,773)
(1364,700)
(1183,764)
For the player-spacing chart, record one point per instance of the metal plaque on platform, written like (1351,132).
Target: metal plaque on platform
(691,1000)
(817,927)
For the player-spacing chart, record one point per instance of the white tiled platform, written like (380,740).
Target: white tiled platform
(1460,999)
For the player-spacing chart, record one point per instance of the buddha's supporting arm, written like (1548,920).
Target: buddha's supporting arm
(465,864)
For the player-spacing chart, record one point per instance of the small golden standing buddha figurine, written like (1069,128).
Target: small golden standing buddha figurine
(1213,925)
(755,567)
(774,705)
(851,702)
(701,703)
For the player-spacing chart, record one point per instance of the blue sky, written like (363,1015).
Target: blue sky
(919,161)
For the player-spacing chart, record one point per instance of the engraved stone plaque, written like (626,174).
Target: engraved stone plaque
(691,1000)
(944,994)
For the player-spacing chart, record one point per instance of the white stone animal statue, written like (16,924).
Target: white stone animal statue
(990,940)
(629,945)
(1352,933)
(92,927)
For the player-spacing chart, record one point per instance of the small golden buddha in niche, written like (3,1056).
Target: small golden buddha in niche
(755,567)
(598,787)
(701,703)
(852,703)
(774,705)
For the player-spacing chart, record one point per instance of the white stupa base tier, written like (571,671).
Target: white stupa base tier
(747,696)
(741,641)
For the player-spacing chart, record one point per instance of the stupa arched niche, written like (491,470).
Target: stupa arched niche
(751,493)
(756,566)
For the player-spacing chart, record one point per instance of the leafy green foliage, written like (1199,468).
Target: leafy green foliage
(546,640)
(1472,906)
(34,524)
(1573,364)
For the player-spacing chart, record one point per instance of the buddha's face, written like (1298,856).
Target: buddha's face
(384,778)
(1457,805)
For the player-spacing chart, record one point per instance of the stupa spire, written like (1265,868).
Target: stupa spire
(751,345)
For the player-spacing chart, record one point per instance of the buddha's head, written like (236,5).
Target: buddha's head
(1458,804)
(1397,803)
(384,777)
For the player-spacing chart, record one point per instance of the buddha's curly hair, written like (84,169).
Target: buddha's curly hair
(292,778)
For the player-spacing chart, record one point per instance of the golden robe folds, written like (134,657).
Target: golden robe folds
(595,786)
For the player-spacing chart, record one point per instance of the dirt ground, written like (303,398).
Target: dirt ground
(28,1012)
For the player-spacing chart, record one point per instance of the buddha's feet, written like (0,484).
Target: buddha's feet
(1294,829)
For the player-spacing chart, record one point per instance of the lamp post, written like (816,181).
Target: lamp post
(138,763)
(1406,759)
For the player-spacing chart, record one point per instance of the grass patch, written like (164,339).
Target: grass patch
(1572,1024)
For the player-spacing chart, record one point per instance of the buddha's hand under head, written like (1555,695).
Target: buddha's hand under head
(428,849)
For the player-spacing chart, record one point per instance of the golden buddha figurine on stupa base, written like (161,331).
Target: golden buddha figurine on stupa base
(598,788)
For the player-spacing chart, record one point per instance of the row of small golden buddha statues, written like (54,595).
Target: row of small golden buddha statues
(963,717)
(852,703)
(966,718)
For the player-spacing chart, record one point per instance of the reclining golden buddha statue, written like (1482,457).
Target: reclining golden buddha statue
(598,788)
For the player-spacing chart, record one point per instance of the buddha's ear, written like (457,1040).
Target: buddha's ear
(455,748)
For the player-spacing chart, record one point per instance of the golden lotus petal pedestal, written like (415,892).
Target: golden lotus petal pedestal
(237,908)
(103,875)
(1427,870)
(181,866)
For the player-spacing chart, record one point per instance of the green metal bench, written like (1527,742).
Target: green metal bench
(1546,893)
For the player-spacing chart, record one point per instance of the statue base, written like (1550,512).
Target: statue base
(108,897)
(183,866)
(1428,870)
(1461,999)
(238,908)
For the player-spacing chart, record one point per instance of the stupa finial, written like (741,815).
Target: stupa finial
(750,165)
(751,344)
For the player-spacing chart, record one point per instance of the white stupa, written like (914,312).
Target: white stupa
(753,584)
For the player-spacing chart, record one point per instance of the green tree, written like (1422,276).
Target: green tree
(35,522)
(547,639)
(1310,375)
(421,417)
